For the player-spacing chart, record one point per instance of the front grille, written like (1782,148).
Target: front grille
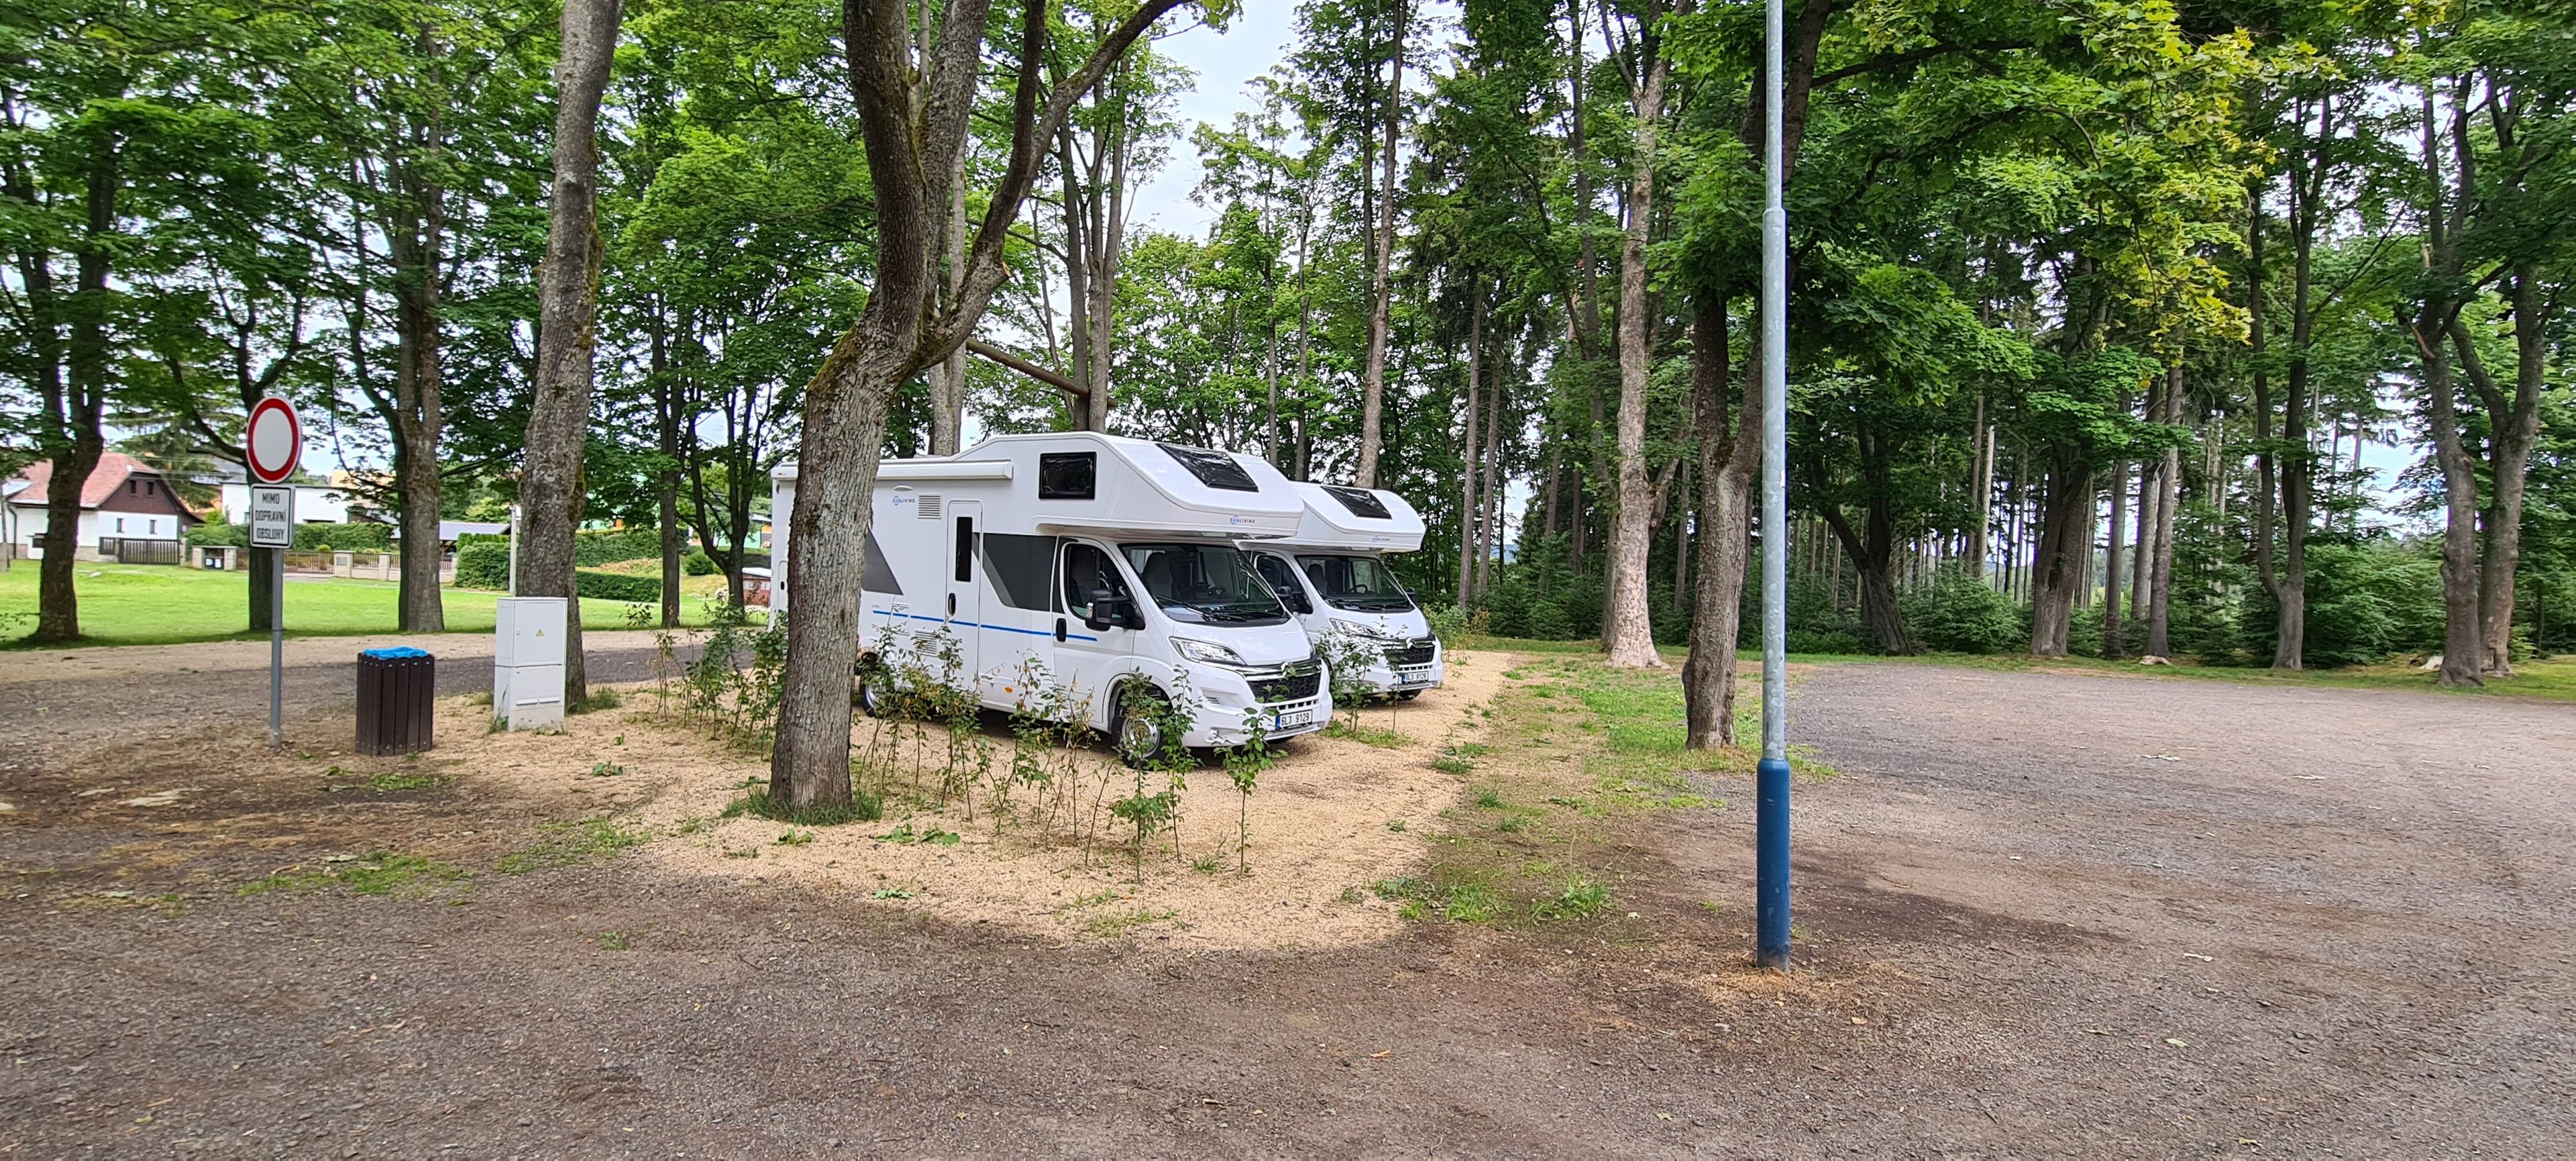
(1415,652)
(1288,687)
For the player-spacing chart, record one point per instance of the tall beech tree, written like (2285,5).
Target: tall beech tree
(550,478)
(913,108)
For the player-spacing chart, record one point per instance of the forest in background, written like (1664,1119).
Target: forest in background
(2097,306)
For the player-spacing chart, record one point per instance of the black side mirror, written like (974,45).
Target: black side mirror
(1296,601)
(1108,609)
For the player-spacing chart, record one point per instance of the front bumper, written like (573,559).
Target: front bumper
(1289,699)
(1410,665)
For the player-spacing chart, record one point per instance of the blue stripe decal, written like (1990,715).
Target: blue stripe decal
(979,625)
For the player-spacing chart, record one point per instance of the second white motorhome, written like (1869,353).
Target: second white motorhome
(1088,572)
(1336,567)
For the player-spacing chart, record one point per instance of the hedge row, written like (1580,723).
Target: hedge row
(487,566)
(483,566)
(609,546)
(308,537)
(617,586)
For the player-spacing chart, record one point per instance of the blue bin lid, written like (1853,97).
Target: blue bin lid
(397,653)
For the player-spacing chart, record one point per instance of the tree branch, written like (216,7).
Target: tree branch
(984,264)
(997,355)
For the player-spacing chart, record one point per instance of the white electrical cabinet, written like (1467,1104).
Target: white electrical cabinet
(528,661)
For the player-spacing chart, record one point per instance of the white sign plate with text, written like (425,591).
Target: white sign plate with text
(272,517)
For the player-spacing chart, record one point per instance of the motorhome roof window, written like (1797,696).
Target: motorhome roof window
(1213,468)
(1362,502)
(1068,475)
(1204,583)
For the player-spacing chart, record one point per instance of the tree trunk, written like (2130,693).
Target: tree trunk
(2111,558)
(1984,450)
(1727,460)
(909,144)
(1077,276)
(948,377)
(416,240)
(2057,569)
(1373,376)
(1628,632)
(1469,507)
(1497,393)
(1873,554)
(2168,499)
(2514,426)
(70,430)
(1108,250)
(666,482)
(2463,633)
(551,485)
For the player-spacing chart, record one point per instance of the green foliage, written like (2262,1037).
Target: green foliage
(614,586)
(613,545)
(698,563)
(1959,613)
(216,532)
(565,844)
(483,566)
(361,537)
(376,873)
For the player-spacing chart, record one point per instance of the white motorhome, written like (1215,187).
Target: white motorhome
(1085,565)
(1335,566)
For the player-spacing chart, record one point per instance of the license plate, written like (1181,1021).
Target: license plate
(1296,718)
(1416,679)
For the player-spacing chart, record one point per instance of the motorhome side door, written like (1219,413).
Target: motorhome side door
(964,606)
(1087,659)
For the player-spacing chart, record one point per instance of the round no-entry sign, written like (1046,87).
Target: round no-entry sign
(274,441)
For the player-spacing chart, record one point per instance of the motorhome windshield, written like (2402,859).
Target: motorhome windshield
(1361,584)
(1204,583)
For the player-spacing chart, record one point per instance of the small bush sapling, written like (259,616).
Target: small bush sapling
(1243,765)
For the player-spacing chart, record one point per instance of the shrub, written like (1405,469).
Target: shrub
(698,563)
(1958,613)
(344,537)
(483,566)
(612,545)
(215,532)
(612,586)
(1812,641)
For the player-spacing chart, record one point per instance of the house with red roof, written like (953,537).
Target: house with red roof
(128,513)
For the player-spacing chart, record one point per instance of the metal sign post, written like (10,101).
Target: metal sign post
(272,443)
(1771,779)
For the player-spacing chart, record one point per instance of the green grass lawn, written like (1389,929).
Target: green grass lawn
(134,605)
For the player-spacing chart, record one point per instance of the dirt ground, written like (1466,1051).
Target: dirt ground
(2039,915)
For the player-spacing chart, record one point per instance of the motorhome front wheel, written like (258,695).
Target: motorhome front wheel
(870,692)
(1140,735)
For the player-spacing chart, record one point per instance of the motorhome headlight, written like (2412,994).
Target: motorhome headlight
(1207,652)
(1368,633)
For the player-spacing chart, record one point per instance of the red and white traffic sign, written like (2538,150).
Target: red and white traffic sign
(273,442)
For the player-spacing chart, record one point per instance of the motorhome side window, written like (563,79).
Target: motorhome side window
(1068,475)
(1276,571)
(1087,570)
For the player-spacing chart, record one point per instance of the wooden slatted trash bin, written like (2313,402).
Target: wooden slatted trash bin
(396,688)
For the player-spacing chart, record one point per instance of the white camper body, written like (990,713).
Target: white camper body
(1061,570)
(1337,561)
